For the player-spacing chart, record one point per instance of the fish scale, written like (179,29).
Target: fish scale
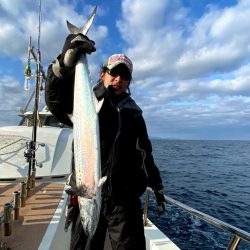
(86,132)
(87,149)
(86,141)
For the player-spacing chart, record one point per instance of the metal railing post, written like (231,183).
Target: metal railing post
(234,243)
(145,212)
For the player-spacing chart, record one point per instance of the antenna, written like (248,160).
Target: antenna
(39,25)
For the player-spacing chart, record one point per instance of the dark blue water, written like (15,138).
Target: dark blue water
(210,176)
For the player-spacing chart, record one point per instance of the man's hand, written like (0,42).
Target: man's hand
(74,46)
(161,201)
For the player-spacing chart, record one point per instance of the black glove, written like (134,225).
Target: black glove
(161,201)
(74,46)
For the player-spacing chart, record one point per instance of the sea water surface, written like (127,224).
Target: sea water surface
(210,176)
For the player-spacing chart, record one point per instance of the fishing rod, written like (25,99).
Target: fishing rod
(40,76)
(38,79)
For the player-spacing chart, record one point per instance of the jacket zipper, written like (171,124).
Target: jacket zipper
(113,150)
(114,144)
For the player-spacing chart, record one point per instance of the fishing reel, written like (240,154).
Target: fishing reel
(29,152)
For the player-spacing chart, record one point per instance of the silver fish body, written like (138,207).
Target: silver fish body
(86,149)
(86,140)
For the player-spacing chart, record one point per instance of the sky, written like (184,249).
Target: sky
(191,58)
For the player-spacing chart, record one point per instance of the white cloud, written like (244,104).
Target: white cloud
(20,21)
(191,75)
(160,45)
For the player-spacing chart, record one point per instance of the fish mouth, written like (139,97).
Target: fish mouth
(84,192)
(87,196)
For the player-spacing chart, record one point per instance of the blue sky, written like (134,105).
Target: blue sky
(191,58)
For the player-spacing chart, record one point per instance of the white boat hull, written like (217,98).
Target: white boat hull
(56,157)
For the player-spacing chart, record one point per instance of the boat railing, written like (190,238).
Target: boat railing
(237,234)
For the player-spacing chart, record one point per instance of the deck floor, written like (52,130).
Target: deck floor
(28,230)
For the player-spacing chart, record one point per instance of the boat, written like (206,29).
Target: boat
(39,215)
(35,161)
(36,199)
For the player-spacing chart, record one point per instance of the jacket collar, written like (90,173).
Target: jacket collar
(122,101)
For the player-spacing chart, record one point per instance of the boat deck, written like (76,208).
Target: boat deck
(29,229)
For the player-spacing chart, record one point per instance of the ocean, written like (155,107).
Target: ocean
(210,176)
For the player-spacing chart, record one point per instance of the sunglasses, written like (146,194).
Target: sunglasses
(123,73)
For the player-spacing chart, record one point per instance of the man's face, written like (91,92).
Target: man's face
(119,77)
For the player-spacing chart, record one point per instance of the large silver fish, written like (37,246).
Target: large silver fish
(86,141)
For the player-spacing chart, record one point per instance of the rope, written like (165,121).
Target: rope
(13,151)
(12,143)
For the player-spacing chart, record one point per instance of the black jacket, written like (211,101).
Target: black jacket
(126,152)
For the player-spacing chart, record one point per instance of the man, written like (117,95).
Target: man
(126,152)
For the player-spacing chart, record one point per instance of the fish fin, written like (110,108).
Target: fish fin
(73,29)
(98,104)
(102,180)
(71,117)
(84,30)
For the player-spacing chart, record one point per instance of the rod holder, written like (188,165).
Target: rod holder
(7,219)
(23,193)
(16,204)
(33,177)
(28,185)
(3,245)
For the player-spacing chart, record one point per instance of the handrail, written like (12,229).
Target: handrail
(237,233)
